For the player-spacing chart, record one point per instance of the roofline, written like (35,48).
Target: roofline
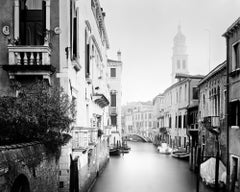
(190,77)
(232,28)
(214,71)
(102,23)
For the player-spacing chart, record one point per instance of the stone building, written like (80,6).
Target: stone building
(138,117)
(159,132)
(212,104)
(177,99)
(171,107)
(114,68)
(65,44)
(232,36)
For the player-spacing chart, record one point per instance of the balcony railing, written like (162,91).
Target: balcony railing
(29,55)
(29,60)
(193,126)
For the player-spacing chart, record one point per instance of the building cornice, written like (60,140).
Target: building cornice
(212,73)
(233,28)
(100,19)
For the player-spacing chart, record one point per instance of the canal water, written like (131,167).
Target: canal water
(145,170)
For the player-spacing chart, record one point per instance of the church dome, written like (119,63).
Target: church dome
(179,38)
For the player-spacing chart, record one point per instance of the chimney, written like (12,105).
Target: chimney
(119,55)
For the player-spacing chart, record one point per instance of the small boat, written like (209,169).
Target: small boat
(181,155)
(115,151)
(124,150)
(165,149)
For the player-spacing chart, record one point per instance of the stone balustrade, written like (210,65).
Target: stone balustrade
(29,55)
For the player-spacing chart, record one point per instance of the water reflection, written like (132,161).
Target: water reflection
(145,170)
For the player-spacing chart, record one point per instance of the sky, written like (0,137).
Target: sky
(143,30)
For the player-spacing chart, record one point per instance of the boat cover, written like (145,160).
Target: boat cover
(207,171)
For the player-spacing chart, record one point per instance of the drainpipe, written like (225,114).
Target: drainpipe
(227,117)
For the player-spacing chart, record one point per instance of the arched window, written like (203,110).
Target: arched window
(21,184)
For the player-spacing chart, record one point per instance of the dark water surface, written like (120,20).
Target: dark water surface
(145,170)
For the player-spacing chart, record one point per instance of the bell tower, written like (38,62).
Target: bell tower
(179,57)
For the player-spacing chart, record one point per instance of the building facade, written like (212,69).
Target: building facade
(114,68)
(232,36)
(138,117)
(159,132)
(64,43)
(212,104)
(177,99)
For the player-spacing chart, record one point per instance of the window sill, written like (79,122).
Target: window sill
(234,127)
(235,72)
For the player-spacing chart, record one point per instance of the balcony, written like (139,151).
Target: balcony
(113,110)
(193,130)
(29,61)
(101,100)
(212,124)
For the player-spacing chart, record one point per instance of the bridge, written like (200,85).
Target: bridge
(136,137)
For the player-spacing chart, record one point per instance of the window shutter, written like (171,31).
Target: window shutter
(43,20)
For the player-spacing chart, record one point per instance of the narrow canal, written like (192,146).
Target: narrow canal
(145,170)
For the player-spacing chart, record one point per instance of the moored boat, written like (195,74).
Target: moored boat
(114,151)
(181,155)
(165,149)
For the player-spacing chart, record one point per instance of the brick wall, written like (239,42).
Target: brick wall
(30,162)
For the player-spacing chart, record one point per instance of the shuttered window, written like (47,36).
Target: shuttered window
(113,72)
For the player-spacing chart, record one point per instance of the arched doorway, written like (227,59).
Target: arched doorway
(21,184)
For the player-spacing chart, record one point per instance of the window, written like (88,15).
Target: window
(184,64)
(204,101)
(113,100)
(234,171)
(185,92)
(176,119)
(113,72)
(149,124)
(178,64)
(185,121)
(32,26)
(179,121)
(61,184)
(170,122)
(195,93)
(235,56)
(75,37)
(149,116)
(113,120)
(234,114)
(87,52)
(180,94)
